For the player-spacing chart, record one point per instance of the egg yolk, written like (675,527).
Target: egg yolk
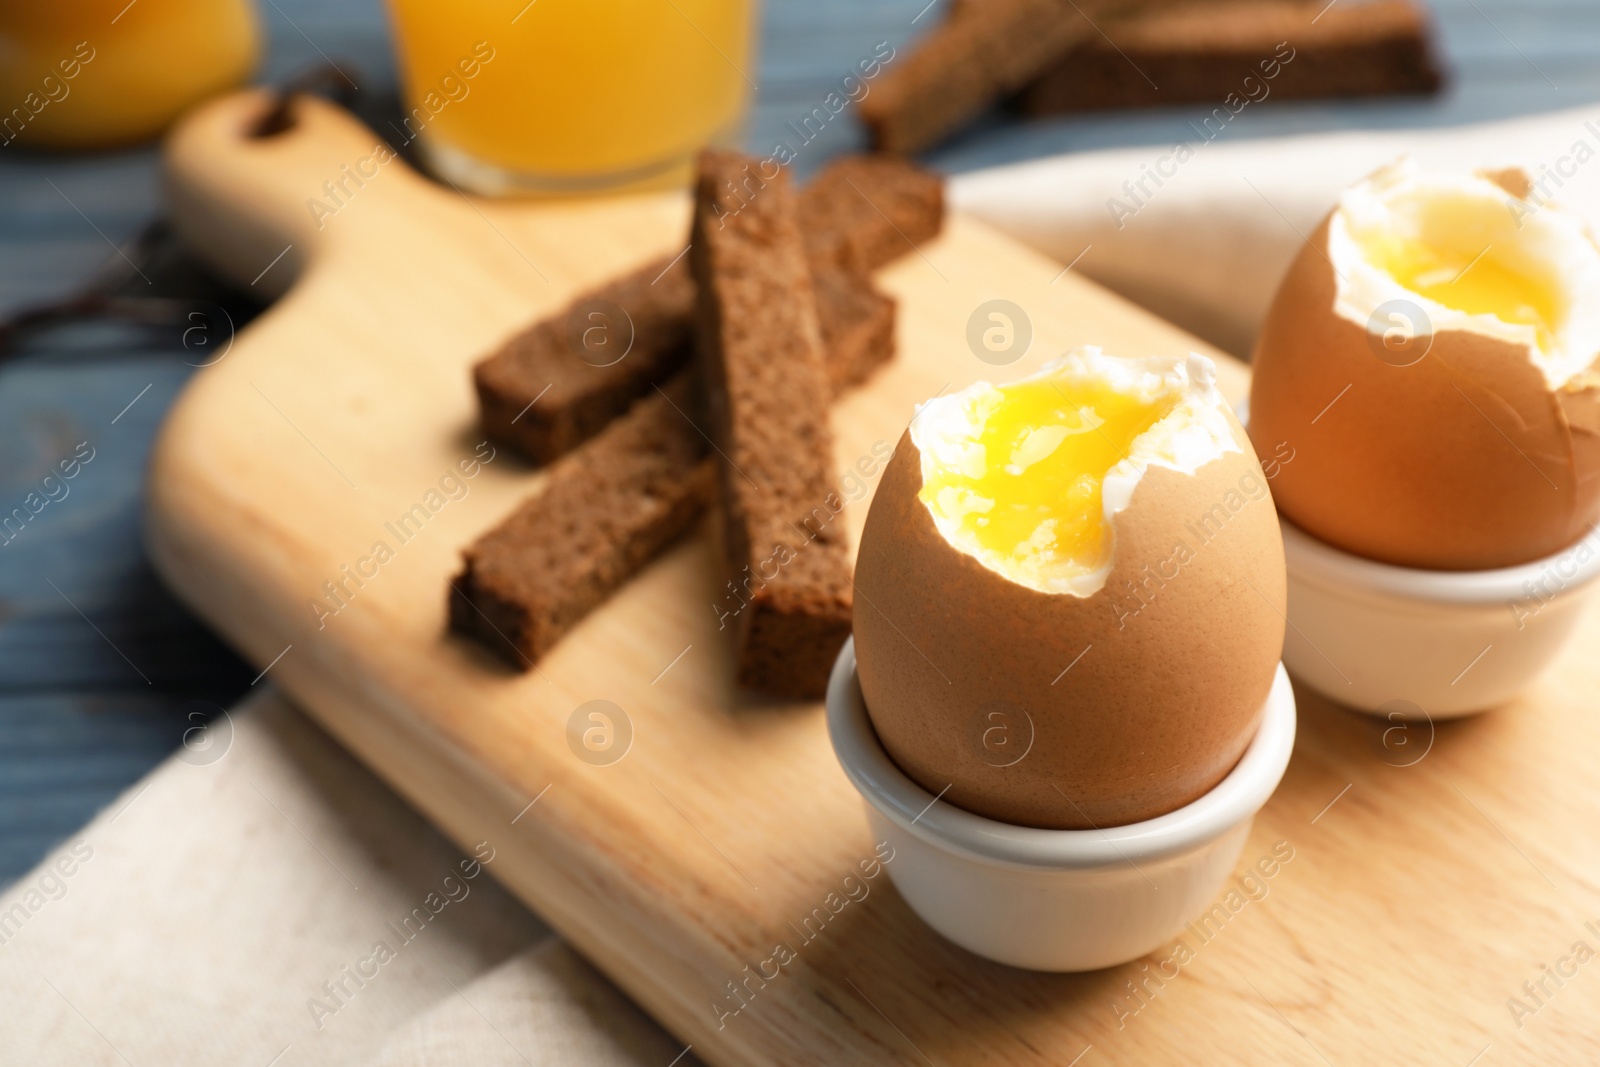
(1028,485)
(1477,284)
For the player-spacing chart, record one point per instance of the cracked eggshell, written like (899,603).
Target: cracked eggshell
(1152,716)
(1467,459)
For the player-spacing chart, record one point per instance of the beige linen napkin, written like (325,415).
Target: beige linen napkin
(204,917)
(228,909)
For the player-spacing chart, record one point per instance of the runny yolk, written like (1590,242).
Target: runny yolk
(1027,490)
(1474,283)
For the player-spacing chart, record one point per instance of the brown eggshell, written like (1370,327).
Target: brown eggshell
(1156,711)
(1463,460)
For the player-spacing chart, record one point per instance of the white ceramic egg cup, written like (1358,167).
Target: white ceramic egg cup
(1055,900)
(1413,643)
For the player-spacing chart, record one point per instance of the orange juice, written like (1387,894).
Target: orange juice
(96,73)
(564,95)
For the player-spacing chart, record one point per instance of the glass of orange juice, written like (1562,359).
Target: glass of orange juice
(101,73)
(565,96)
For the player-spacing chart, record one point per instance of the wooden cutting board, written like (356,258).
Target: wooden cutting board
(1431,872)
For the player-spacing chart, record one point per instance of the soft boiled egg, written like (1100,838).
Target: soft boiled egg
(1429,360)
(1071,593)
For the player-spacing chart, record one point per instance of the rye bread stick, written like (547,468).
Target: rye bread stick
(765,375)
(562,380)
(607,509)
(1289,49)
(861,212)
(982,52)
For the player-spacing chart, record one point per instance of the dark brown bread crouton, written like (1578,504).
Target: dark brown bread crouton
(607,509)
(1292,50)
(767,391)
(558,383)
(857,326)
(984,51)
(864,211)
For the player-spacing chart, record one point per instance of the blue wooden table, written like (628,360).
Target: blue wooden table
(101,672)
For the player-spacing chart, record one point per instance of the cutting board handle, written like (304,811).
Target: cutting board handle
(260,207)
